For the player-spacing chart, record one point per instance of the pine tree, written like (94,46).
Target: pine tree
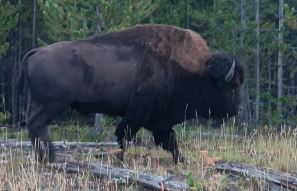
(8,22)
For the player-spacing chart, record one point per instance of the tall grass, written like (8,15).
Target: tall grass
(262,147)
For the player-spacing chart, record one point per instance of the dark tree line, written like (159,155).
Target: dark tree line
(263,34)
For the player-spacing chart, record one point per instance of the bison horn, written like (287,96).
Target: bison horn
(230,73)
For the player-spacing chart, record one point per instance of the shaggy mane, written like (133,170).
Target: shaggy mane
(182,46)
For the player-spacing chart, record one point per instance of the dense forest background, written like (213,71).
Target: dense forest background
(262,34)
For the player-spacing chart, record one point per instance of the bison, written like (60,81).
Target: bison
(153,76)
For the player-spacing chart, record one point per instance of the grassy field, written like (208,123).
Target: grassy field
(202,147)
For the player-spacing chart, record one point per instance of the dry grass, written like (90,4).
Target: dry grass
(201,147)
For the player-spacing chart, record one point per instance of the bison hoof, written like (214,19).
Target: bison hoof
(50,160)
(180,159)
(119,155)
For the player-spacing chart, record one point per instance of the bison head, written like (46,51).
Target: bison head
(226,76)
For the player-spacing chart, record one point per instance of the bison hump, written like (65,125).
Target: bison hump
(184,47)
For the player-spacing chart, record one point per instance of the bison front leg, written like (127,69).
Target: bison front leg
(137,115)
(125,133)
(167,140)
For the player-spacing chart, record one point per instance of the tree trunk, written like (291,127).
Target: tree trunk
(242,23)
(14,93)
(257,102)
(280,55)
(188,14)
(291,93)
(276,180)
(149,181)
(20,100)
(33,46)
(99,23)
(2,95)
(97,123)
(17,98)
(98,117)
(246,112)
(34,25)
(269,88)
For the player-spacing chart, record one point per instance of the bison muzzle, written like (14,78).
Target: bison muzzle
(153,76)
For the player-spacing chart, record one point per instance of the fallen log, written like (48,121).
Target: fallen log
(59,145)
(276,180)
(123,175)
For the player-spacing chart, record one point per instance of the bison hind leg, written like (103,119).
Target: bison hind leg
(39,118)
(38,136)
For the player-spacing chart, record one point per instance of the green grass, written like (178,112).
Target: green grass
(9,133)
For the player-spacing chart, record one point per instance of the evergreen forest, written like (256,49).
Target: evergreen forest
(262,34)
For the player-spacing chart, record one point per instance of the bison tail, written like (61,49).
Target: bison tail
(23,71)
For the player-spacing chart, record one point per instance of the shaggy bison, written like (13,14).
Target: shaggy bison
(154,76)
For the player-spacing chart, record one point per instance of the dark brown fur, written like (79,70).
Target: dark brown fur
(182,46)
(154,76)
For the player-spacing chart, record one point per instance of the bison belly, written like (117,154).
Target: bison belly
(92,78)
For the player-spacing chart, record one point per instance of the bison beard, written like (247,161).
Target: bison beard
(154,76)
